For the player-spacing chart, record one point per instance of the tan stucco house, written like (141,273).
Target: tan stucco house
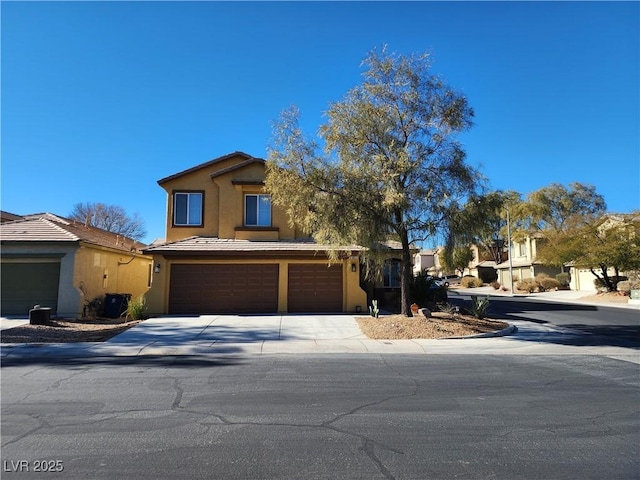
(228,250)
(523,262)
(55,262)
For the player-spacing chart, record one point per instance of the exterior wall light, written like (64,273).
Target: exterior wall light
(156,269)
(353,267)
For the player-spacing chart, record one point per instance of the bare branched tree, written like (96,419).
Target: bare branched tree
(111,218)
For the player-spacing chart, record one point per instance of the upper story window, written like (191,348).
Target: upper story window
(187,209)
(519,250)
(257,210)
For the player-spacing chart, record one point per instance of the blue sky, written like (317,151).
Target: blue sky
(102,99)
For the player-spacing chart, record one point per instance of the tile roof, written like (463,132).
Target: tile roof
(52,228)
(8,216)
(35,230)
(221,245)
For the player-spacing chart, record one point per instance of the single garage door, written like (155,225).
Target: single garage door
(223,288)
(27,284)
(315,288)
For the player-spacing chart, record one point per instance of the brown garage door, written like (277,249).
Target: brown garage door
(223,289)
(315,288)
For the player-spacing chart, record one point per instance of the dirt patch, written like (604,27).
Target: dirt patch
(68,331)
(440,325)
(609,297)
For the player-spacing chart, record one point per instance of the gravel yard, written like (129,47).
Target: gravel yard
(68,331)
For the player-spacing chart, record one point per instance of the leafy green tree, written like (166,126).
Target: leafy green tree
(482,221)
(600,244)
(388,167)
(557,208)
(553,215)
(456,259)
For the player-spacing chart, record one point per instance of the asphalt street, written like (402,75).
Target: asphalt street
(322,416)
(602,324)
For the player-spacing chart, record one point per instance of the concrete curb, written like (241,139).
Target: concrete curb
(509,330)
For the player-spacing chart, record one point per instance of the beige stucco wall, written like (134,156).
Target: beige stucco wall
(99,271)
(158,296)
(222,218)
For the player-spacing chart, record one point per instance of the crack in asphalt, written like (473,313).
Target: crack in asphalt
(368,445)
(179,392)
(42,424)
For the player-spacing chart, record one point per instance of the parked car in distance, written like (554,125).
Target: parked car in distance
(450,280)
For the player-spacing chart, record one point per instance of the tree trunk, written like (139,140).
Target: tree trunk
(605,277)
(406,274)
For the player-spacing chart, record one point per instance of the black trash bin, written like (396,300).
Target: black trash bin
(115,304)
(39,315)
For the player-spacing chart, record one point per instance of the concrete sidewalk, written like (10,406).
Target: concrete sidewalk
(306,334)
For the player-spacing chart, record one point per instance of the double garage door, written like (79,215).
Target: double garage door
(27,284)
(253,288)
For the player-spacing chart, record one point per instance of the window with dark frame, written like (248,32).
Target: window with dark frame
(187,209)
(257,210)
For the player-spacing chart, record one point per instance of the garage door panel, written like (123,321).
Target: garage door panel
(315,288)
(27,284)
(210,288)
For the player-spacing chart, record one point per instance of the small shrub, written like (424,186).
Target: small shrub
(471,282)
(496,285)
(599,284)
(546,283)
(137,308)
(450,310)
(563,279)
(479,307)
(527,285)
(626,286)
(602,287)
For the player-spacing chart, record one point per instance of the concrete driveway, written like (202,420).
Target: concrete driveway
(212,329)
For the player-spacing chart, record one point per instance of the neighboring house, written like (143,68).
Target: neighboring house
(482,266)
(228,250)
(427,261)
(523,262)
(55,262)
(581,277)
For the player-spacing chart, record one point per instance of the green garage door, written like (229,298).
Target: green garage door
(27,284)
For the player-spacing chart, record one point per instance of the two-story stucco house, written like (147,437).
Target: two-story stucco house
(229,250)
(523,262)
